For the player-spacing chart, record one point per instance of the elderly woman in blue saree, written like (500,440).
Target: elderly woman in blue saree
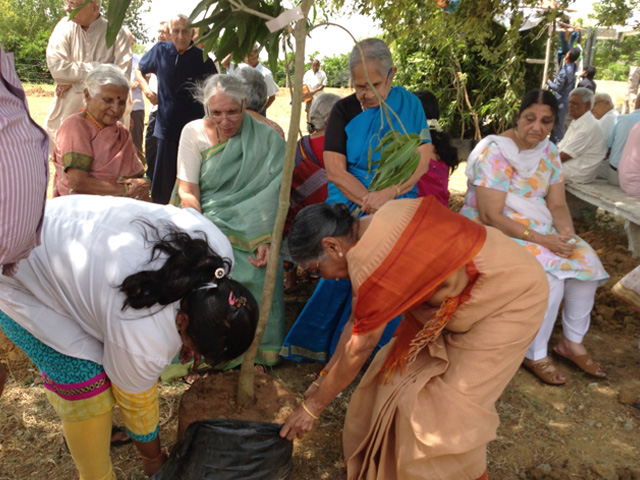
(355,125)
(229,168)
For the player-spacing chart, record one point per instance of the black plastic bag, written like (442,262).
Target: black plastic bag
(223,449)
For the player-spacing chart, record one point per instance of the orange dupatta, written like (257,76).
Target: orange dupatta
(433,245)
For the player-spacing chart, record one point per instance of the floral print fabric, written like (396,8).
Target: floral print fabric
(492,170)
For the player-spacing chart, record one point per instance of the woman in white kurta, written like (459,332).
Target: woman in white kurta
(116,289)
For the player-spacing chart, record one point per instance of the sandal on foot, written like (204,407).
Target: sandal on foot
(541,371)
(583,362)
(121,432)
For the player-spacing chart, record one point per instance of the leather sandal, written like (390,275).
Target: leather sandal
(541,370)
(583,362)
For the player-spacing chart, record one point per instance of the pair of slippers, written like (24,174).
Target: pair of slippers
(583,362)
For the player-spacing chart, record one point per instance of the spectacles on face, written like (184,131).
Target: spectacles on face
(363,89)
(232,115)
(313,268)
(74,5)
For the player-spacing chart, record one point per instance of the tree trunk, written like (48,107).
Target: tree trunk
(246,381)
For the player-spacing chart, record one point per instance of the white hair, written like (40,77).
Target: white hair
(374,50)
(320,109)
(177,18)
(228,84)
(105,74)
(586,95)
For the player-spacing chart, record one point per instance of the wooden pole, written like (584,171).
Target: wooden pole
(547,56)
(246,391)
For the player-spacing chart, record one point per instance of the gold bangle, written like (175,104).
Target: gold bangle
(306,409)
(526,233)
(315,383)
(323,373)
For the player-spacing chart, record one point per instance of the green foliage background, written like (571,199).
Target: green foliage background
(26,25)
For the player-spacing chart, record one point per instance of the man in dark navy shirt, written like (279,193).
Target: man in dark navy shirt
(179,66)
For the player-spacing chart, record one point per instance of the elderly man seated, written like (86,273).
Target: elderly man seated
(604,111)
(618,139)
(584,146)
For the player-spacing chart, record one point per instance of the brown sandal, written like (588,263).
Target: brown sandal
(541,371)
(583,362)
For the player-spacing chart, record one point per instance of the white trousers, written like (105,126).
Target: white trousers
(579,297)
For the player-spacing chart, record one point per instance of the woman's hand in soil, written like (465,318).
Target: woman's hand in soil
(298,424)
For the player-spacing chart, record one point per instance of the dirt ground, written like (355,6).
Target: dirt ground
(587,429)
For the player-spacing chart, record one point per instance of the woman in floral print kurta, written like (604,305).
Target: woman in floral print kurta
(516,185)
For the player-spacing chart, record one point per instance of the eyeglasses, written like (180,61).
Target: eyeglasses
(74,5)
(362,89)
(229,115)
(313,270)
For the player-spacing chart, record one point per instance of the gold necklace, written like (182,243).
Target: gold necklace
(93,120)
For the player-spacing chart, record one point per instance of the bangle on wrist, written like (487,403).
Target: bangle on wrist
(126,189)
(315,383)
(525,234)
(323,373)
(306,409)
(154,458)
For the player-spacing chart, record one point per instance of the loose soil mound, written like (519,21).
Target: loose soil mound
(214,396)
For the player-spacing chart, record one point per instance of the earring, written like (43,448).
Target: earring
(340,254)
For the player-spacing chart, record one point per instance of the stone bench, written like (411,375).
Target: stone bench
(611,198)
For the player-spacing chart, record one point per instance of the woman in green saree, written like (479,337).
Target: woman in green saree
(229,168)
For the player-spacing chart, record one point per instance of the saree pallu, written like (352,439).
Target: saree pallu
(80,390)
(106,154)
(309,181)
(434,419)
(239,189)
(315,334)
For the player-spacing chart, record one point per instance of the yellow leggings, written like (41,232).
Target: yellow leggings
(89,442)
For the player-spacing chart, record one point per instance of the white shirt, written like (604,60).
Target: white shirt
(585,143)
(193,141)
(136,93)
(607,122)
(67,293)
(272,88)
(314,80)
(71,54)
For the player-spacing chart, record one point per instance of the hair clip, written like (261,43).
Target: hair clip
(207,286)
(232,299)
(219,273)
(241,302)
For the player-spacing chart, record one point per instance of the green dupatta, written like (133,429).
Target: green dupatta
(240,184)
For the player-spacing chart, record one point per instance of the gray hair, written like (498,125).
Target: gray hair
(320,109)
(312,224)
(178,17)
(105,74)
(586,95)
(603,97)
(255,88)
(228,84)
(374,50)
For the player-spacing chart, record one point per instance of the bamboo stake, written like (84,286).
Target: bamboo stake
(246,391)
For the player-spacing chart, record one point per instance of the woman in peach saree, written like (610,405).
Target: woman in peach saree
(471,299)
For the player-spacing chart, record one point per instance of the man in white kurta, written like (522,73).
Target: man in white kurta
(315,80)
(75,48)
(584,146)
(253,61)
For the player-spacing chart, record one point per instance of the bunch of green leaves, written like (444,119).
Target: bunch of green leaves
(399,158)
(236,31)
